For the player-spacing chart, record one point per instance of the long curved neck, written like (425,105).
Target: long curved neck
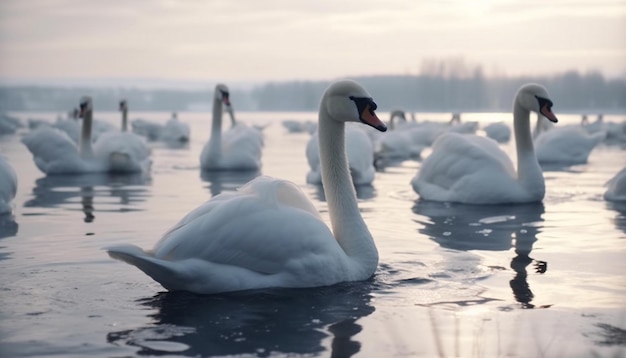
(86,152)
(347,224)
(529,173)
(215,141)
(124,120)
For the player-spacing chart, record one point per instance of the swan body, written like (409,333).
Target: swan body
(235,149)
(359,149)
(9,125)
(268,233)
(500,132)
(8,186)
(474,170)
(54,152)
(616,187)
(148,129)
(175,130)
(123,152)
(565,145)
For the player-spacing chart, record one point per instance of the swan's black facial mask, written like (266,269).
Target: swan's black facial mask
(225,97)
(545,107)
(366,107)
(83,109)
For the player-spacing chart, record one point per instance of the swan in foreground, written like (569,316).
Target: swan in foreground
(234,149)
(474,170)
(54,152)
(616,187)
(359,149)
(8,186)
(268,233)
(564,145)
(123,152)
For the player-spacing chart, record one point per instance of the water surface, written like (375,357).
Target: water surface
(534,280)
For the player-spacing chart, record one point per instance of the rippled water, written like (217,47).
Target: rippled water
(539,280)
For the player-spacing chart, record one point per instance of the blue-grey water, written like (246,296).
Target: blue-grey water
(536,280)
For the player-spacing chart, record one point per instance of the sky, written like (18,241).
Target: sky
(261,40)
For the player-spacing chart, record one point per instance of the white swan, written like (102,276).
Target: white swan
(616,187)
(175,130)
(474,170)
(233,149)
(499,131)
(9,124)
(398,144)
(359,149)
(54,152)
(564,145)
(8,186)
(268,233)
(123,152)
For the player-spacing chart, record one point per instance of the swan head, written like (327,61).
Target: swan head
(535,98)
(85,106)
(123,105)
(222,94)
(347,101)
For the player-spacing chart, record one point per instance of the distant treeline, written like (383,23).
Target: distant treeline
(570,91)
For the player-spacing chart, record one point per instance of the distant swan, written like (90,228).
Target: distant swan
(233,149)
(8,186)
(564,145)
(175,130)
(359,149)
(123,152)
(616,187)
(54,152)
(474,170)
(499,131)
(268,233)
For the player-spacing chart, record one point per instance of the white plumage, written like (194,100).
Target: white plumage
(8,186)
(268,233)
(238,148)
(474,170)
(616,187)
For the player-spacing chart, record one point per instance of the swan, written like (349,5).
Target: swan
(8,186)
(474,170)
(359,149)
(616,187)
(54,152)
(123,152)
(233,149)
(397,145)
(268,233)
(9,124)
(499,131)
(565,145)
(175,130)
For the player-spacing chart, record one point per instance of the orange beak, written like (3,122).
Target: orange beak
(370,118)
(547,112)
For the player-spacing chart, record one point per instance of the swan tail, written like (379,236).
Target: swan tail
(164,272)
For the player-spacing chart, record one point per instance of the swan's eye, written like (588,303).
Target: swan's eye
(544,102)
(362,102)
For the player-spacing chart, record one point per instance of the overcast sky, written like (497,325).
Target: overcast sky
(252,40)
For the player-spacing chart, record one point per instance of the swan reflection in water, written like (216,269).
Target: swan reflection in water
(259,323)
(488,228)
(64,191)
(227,180)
